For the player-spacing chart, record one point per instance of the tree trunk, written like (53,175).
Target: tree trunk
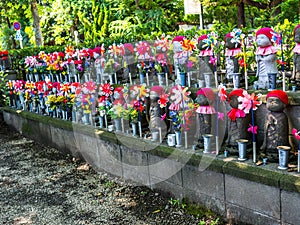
(241,14)
(275,4)
(36,23)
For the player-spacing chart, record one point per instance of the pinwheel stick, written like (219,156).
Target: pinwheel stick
(245,65)
(217,125)
(253,134)
(282,63)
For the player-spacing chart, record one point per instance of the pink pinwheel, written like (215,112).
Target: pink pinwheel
(252,129)
(143,50)
(249,101)
(222,92)
(296,133)
(90,86)
(178,95)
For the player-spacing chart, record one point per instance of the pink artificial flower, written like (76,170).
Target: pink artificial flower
(252,129)
(163,117)
(190,64)
(212,60)
(296,133)
(220,116)
(222,92)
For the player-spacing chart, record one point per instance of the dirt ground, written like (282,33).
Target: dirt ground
(39,185)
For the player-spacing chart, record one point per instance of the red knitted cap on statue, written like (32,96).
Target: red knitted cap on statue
(207,92)
(266,31)
(178,38)
(158,89)
(297,27)
(229,35)
(118,89)
(237,92)
(279,94)
(202,37)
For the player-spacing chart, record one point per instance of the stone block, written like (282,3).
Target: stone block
(214,204)
(167,188)
(45,134)
(72,145)
(135,165)
(165,169)
(57,135)
(244,216)
(203,181)
(253,196)
(88,148)
(110,158)
(290,207)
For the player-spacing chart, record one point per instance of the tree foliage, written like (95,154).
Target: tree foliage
(99,21)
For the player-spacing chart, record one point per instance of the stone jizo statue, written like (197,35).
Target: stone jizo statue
(265,57)
(276,132)
(204,103)
(296,51)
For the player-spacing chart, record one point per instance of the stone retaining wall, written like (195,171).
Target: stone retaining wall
(241,192)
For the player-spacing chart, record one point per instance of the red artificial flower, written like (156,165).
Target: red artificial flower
(163,100)
(280,62)
(242,63)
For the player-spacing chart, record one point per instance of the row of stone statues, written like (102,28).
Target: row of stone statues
(265,55)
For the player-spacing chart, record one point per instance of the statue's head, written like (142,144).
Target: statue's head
(297,34)
(277,100)
(264,37)
(233,97)
(205,96)
(231,42)
(177,43)
(202,44)
(156,91)
(118,92)
(129,49)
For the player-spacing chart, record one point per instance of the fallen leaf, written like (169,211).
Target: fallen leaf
(84,167)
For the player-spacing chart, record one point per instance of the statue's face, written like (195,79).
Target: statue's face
(263,41)
(274,104)
(202,100)
(231,45)
(234,103)
(177,47)
(297,35)
(153,95)
(116,95)
(202,45)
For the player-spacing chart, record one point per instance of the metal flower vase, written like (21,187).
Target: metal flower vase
(242,147)
(182,79)
(236,77)
(272,81)
(283,153)
(207,79)
(178,138)
(207,142)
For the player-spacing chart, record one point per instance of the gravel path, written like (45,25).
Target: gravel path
(39,185)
